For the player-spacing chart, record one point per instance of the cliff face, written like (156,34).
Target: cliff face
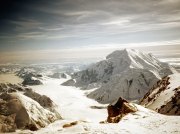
(131,85)
(118,110)
(164,97)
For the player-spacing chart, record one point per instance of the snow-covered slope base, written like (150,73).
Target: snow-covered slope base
(75,106)
(143,121)
(164,97)
(127,73)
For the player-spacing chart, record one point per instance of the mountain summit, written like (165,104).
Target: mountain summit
(126,73)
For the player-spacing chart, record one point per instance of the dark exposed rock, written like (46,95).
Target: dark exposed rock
(43,100)
(63,75)
(11,105)
(19,89)
(7,123)
(70,82)
(161,84)
(168,107)
(118,110)
(173,106)
(70,124)
(97,107)
(28,89)
(58,75)
(39,75)
(8,87)
(89,76)
(31,81)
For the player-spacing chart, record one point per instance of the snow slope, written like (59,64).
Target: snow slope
(70,100)
(164,97)
(127,73)
(36,112)
(75,106)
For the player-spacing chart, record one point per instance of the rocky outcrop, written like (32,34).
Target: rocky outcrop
(164,97)
(63,75)
(31,81)
(11,105)
(30,76)
(58,75)
(29,71)
(173,106)
(70,82)
(8,87)
(23,113)
(118,110)
(70,124)
(7,123)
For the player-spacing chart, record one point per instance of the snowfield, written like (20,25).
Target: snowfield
(72,102)
(75,106)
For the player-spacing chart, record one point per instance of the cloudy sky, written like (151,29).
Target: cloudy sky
(57,30)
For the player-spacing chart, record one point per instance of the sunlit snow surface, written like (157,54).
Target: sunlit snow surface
(75,106)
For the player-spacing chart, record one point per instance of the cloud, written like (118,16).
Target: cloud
(77,23)
(165,50)
(25,24)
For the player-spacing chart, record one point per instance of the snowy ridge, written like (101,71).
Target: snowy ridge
(127,73)
(22,108)
(36,112)
(164,96)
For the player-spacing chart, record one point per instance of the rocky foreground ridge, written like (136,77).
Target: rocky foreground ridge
(164,97)
(22,108)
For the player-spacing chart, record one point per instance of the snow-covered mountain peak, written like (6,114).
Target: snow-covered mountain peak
(134,59)
(127,73)
(124,53)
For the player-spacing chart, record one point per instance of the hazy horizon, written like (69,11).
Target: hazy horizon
(81,30)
